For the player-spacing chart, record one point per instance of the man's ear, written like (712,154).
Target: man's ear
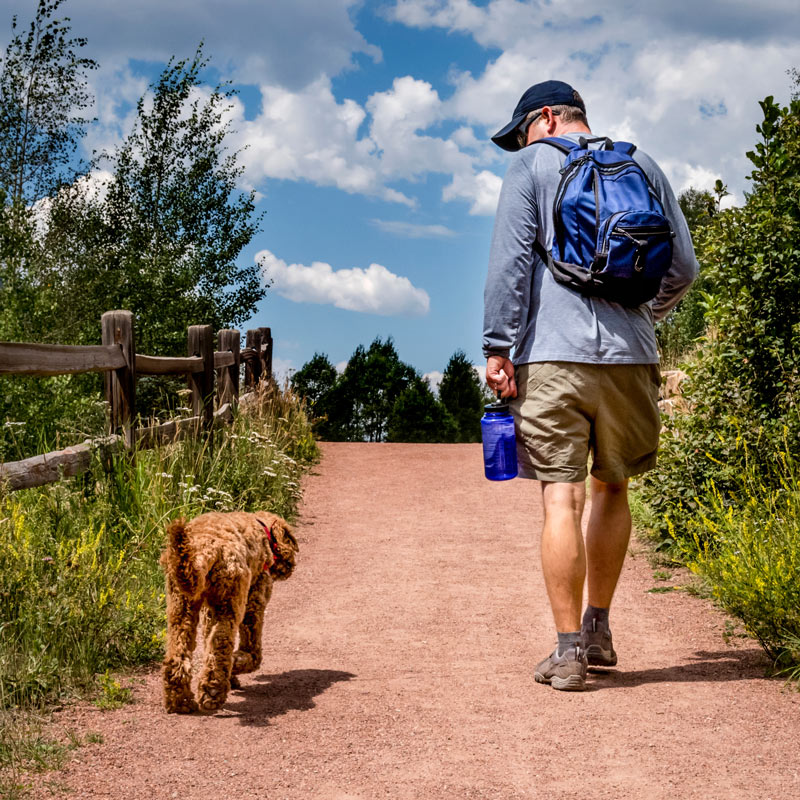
(550,120)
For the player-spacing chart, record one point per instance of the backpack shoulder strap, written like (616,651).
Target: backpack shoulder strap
(625,147)
(566,146)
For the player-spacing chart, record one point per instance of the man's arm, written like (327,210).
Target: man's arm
(684,267)
(508,283)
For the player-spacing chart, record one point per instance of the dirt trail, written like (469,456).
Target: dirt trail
(399,664)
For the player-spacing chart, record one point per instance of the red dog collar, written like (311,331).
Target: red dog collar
(273,544)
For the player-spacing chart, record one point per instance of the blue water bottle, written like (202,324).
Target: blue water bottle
(499,442)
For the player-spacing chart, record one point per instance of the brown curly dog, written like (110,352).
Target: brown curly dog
(222,565)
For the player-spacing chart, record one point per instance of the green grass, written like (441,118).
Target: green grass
(744,549)
(747,547)
(82,590)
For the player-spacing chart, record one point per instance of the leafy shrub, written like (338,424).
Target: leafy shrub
(749,552)
(744,381)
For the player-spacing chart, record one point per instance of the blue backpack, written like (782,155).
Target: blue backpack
(612,239)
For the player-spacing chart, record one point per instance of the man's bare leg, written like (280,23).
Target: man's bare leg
(564,568)
(563,552)
(607,535)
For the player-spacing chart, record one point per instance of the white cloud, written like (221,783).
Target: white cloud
(373,290)
(434,377)
(483,190)
(282,369)
(411,230)
(688,97)
(434,380)
(480,371)
(290,42)
(309,135)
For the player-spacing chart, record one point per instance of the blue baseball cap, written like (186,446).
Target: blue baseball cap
(548,93)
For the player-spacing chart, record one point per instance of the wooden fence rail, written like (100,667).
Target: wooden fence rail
(212,376)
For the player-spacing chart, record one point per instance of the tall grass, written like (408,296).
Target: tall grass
(81,591)
(746,544)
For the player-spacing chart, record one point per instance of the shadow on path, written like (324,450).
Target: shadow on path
(272,695)
(707,667)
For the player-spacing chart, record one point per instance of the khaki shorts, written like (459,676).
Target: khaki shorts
(565,410)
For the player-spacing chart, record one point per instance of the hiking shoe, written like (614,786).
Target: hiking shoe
(566,672)
(597,642)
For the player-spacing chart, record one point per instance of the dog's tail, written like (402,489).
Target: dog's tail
(179,559)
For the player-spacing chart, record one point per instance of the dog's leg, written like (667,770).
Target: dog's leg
(182,616)
(223,618)
(248,657)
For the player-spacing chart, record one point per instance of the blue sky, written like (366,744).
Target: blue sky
(366,126)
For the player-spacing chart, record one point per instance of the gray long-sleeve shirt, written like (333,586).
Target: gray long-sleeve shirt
(526,310)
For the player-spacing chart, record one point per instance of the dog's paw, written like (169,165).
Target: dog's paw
(235,682)
(243,662)
(212,697)
(182,705)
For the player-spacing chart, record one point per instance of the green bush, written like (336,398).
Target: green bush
(744,380)
(749,552)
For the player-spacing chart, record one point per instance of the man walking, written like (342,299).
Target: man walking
(583,376)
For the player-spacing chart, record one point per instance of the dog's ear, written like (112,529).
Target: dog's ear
(287,547)
(285,530)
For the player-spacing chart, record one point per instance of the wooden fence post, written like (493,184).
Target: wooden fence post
(252,371)
(228,378)
(117,328)
(266,355)
(201,343)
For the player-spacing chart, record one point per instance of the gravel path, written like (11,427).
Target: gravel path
(399,664)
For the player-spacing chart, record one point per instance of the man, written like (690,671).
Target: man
(584,379)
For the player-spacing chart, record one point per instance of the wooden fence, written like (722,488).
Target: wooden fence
(213,376)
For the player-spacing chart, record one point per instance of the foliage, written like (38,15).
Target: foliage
(678,334)
(161,237)
(417,416)
(44,414)
(746,544)
(165,239)
(744,382)
(82,590)
(357,407)
(112,693)
(25,748)
(313,382)
(43,92)
(460,393)
(380,398)
(726,494)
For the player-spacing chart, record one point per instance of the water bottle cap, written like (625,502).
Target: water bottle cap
(500,407)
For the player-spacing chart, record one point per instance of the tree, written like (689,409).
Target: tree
(745,380)
(417,416)
(460,393)
(357,407)
(679,332)
(43,92)
(43,97)
(699,206)
(314,382)
(164,240)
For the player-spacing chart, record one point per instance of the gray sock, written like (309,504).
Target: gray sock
(567,640)
(594,618)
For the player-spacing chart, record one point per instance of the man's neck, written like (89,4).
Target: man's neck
(572,127)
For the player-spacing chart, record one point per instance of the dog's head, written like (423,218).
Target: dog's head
(285,546)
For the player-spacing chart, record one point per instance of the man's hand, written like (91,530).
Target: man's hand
(500,376)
